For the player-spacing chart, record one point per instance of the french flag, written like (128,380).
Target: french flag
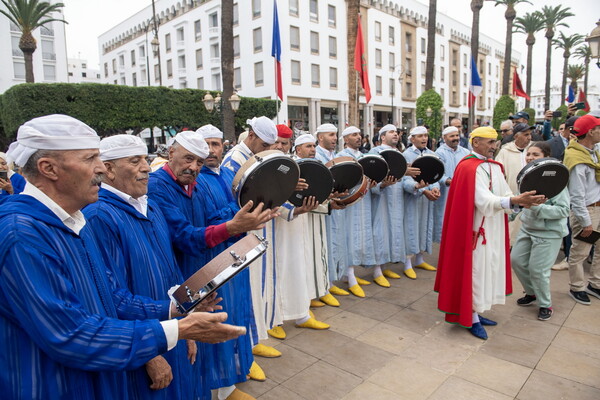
(475,87)
(276,52)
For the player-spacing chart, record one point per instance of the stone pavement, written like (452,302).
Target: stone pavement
(393,344)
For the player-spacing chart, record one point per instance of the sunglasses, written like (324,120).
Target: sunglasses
(505,130)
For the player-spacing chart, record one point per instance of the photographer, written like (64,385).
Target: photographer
(10,182)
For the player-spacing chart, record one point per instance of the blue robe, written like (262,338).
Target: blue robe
(135,248)
(418,214)
(230,361)
(388,220)
(66,331)
(18,184)
(450,158)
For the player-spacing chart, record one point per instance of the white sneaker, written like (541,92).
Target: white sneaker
(561,266)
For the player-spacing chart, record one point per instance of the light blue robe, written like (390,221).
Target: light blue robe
(418,210)
(450,158)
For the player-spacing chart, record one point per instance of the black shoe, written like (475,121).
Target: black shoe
(526,300)
(545,313)
(593,291)
(580,297)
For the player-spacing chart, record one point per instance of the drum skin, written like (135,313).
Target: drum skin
(396,162)
(374,167)
(319,180)
(546,176)
(346,172)
(432,168)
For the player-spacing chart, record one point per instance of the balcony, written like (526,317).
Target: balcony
(180,43)
(215,60)
(408,48)
(14,28)
(142,60)
(181,73)
(48,56)
(214,31)
(17,53)
(46,31)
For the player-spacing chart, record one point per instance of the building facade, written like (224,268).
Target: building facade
(314,57)
(79,72)
(538,97)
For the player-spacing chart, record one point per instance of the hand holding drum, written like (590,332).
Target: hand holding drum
(245,221)
(208,328)
(528,199)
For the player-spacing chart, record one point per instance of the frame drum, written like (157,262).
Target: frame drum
(217,272)
(432,168)
(374,167)
(319,180)
(396,162)
(346,172)
(546,176)
(269,177)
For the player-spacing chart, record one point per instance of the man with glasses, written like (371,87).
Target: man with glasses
(506,130)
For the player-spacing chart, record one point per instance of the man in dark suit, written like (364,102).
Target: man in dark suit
(561,141)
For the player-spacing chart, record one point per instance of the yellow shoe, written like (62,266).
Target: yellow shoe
(337,291)
(262,350)
(277,332)
(362,282)
(357,291)
(381,281)
(237,394)
(313,324)
(311,314)
(410,273)
(426,266)
(330,300)
(317,303)
(388,273)
(256,373)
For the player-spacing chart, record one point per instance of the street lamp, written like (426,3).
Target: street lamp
(155,43)
(594,42)
(216,104)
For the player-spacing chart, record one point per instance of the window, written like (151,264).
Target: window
(314,10)
(106,70)
(377,31)
(333,78)
(215,52)
(464,60)
(156,72)
(180,35)
(256,8)
(293,8)
(199,59)
(464,99)
(236,15)
(408,89)
(423,45)
(454,83)
(392,61)
(378,85)
(442,52)
(49,72)
(19,68)
(489,102)
(142,51)
(181,61)
(392,85)
(132,58)
(143,75)
(197,30)
(213,20)
(465,79)
(442,74)
(216,80)
(408,42)
(294,38)
(257,39)
(48,50)
(454,58)
(15,46)
(121,61)
(489,68)
(182,84)
(423,68)
(332,47)
(123,81)
(497,69)
(496,87)
(168,42)
(83,74)
(200,83)
(331,19)
(377,58)
(236,46)
(296,72)
(489,86)
(391,35)
(169,68)
(258,74)
(443,94)
(315,75)
(84,65)
(134,79)
(237,79)
(314,43)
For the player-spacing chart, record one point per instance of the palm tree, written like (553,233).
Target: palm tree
(510,15)
(566,43)
(227,68)
(476,6)
(553,18)
(574,73)
(29,15)
(529,24)
(352,17)
(585,53)
(430,44)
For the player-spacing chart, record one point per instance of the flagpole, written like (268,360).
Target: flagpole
(356,101)
(276,94)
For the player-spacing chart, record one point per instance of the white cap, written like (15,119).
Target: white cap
(51,132)
(121,146)
(418,130)
(209,131)
(193,142)
(450,129)
(303,139)
(170,142)
(387,128)
(327,128)
(350,130)
(264,128)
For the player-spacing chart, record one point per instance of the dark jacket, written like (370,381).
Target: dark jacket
(557,147)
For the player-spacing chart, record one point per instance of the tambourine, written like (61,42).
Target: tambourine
(217,272)
(374,167)
(346,172)
(396,162)
(432,168)
(319,180)
(356,193)
(269,177)
(546,176)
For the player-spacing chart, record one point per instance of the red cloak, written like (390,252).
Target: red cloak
(454,278)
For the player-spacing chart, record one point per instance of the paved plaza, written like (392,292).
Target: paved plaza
(393,344)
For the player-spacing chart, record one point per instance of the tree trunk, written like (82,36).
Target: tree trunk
(476,6)
(352,18)
(510,16)
(529,68)
(549,36)
(27,44)
(28,56)
(431,25)
(563,85)
(227,68)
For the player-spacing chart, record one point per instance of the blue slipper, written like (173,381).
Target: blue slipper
(484,321)
(478,331)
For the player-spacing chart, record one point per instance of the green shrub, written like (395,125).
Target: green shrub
(505,107)
(531,113)
(431,99)
(561,120)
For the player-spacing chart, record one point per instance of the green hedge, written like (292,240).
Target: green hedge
(505,107)
(113,108)
(556,122)
(431,99)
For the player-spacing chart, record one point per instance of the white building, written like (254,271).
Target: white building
(49,59)
(538,97)
(79,72)
(314,57)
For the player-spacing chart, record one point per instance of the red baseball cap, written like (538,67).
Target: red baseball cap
(585,124)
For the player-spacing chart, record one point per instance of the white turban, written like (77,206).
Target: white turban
(121,146)
(387,128)
(193,142)
(264,128)
(209,131)
(303,139)
(418,130)
(51,132)
(350,130)
(327,128)
(450,129)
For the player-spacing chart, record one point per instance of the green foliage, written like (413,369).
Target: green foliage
(579,113)
(531,113)
(113,109)
(431,99)
(557,121)
(505,107)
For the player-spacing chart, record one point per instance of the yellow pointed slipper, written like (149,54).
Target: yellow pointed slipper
(277,332)
(311,314)
(381,281)
(338,291)
(410,273)
(317,303)
(426,266)
(237,394)
(357,291)
(262,350)
(256,373)
(388,273)
(362,282)
(313,324)
(330,300)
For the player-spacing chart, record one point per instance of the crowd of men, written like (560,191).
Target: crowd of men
(97,239)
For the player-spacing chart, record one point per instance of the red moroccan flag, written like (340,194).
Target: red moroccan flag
(360,62)
(518,87)
(582,98)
